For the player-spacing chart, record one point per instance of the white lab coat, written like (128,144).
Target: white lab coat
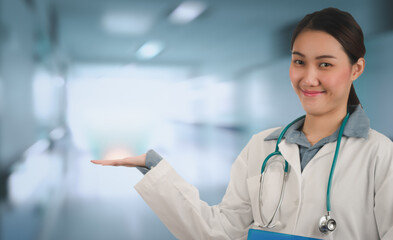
(361,193)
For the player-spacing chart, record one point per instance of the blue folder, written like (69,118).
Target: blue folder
(255,234)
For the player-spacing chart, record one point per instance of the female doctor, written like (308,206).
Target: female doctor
(326,176)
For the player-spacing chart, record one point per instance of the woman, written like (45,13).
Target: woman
(338,168)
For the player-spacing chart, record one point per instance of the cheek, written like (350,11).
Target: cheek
(294,75)
(341,78)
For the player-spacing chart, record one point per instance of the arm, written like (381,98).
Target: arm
(179,207)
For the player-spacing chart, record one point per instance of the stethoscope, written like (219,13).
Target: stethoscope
(326,223)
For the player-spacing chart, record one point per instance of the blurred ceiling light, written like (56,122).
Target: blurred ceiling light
(150,50)
(187,11)
(128,23)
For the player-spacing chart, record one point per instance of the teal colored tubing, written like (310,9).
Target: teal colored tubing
(277,151)
(340,134)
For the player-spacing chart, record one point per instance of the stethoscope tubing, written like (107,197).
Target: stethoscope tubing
(261,181)
(286,168)
(328,206)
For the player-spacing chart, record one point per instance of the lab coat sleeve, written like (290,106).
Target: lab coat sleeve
(178,205)
(383,199)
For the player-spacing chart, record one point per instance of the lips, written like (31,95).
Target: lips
(311,93)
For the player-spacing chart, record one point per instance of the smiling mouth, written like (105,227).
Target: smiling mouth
(311,93)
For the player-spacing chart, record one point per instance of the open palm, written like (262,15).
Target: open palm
(137,161)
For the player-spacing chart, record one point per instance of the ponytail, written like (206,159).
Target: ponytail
(353,97)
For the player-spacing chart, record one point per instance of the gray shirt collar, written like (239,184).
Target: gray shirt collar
(358,126)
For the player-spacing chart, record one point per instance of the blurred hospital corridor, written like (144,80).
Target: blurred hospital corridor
(193,80)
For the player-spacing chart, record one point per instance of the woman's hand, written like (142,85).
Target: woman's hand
(138,161)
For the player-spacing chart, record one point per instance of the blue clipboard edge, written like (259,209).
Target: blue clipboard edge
(256,234)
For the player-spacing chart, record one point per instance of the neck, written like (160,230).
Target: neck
(317,127)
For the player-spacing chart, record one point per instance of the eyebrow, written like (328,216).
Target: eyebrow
(318,57)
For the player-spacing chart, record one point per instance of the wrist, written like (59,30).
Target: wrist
(142,160)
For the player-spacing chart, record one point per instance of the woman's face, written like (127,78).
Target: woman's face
(321,73)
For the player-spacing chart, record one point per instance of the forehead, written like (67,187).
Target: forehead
(315,43)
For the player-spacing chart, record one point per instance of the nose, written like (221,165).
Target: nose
(310,77)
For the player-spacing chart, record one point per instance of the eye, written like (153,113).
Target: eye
(324,65)
(298,62)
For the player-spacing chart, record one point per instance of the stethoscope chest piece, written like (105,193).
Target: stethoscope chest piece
(327,224)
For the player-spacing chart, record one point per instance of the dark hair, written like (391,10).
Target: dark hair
(343,27)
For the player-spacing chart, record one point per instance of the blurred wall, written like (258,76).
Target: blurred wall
(18,125)
(375,86)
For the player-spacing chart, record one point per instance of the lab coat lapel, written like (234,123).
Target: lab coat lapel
(328,148)
(290,152)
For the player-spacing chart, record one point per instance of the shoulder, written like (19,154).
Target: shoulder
(258,139)
(375,136)
(380,142)
(374,142)
(258,148)
(377,148)
(265,133)
(377,139)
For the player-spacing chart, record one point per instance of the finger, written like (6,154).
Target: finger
(107,162)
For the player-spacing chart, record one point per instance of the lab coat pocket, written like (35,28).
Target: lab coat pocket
(265,195)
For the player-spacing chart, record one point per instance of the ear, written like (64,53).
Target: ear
(357,68)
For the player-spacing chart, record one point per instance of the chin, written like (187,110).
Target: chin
(314,110)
